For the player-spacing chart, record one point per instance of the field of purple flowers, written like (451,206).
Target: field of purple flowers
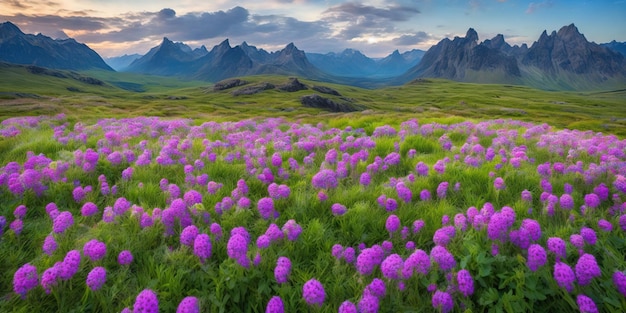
(269,215)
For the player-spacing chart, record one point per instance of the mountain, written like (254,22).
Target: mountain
(19,48)
(223,61)
(561,60)
(616,46)
(121,62)
(464,59)
(352,63)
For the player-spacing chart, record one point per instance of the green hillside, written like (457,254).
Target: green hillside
(98,93)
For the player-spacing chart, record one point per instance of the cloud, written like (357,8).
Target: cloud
(409,40)
(534,6)
(353,20)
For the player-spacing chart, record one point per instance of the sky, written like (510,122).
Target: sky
(376,28)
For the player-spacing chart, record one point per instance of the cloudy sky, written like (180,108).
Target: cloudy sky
(116,27)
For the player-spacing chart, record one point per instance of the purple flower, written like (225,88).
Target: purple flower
(465,282)
(62,222)
(20,212)
(89,209)
(391,204)
(498,183)
(425,195)
(442,301)
(325,179)
(274,233)
(577,241)
(367,261)
(121,205)
(368,304)
(619,279)
(392,266)
(440,166)
(95,249)
(321,196)
(585,304)
(421,169)
(536,257)
(313,292)
(443,257)
(338,209)
(96,278)
(527,196)
(49,278)
(266,208)
(237,247)
(392,224)
(418,261)
(602,191)
(564,276)
(376,288)
(292,229)
(146,301)
(188,235)
(263,241)
(216,230)
(70,265)
(125,257)
(365,179)
(347,307)
(188,305)
(202,247)
(337,251)
(622,222)
(605,225)
(282,269)
(533,228)
(49,245)
(566,201)
(620,183)
(589,235)
(417,226)
(557,246)
(275,305)
(404,192)
(592,200)
(16,226)
(587,269)
(349,254)
(25,279)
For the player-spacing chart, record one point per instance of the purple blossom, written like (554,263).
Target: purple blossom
(589,235)
(274,233)
(527,196)
(188,235)
(89,209)
(70,265)
(325,179)
(365,179)
(96,278)
(442,190)
(586,304)
(376,288)
(619,280)
(349,254)
(216,230)
(94,249)
(566,201)
(263,241)
(282,269)
(292,230)
(20,212)
(605,225)
(16,226)
(321,196)
(49,245)
(620,183)
(564,276)
(237,247)
(313,292)
(418,261)
(275,305)
(202,247)
(443,257)
(498,183)
(465,282)
(586,269)
(392,224)
(25,279)
(337,251)
(536,257)
(392,266)
(189,304)
(266,208)
(62,222)
(338,209)
(125,257)
(391,204)
(622,222)
(347,307)
(425,195)
(49,278)
(557,246)
(421,169)
(442,301)
(418,225)
(368,304)
(404,192)
(146,301)
(592,200)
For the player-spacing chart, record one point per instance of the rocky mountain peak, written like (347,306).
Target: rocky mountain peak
(471,35)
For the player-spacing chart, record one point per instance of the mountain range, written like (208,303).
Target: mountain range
(561,60)
(19,48)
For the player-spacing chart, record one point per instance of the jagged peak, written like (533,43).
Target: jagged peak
(10,27)
(225,43)
(570,31)
(471,34)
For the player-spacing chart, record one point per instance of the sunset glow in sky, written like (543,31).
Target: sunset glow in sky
(376,28)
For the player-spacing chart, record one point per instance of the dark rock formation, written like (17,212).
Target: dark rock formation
(293,85)
(254,89)
(319,102)
(326,90)
(229,83)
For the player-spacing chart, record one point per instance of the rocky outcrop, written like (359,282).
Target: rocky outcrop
(319,102)
(293,85)
(228,84)
(326,90)
(254,89)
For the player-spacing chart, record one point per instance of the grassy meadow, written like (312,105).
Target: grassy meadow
(145,194)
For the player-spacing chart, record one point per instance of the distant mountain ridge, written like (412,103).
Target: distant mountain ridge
(352,63)
(26,49)
(561,60)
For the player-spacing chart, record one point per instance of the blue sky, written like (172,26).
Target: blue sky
(116,27)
